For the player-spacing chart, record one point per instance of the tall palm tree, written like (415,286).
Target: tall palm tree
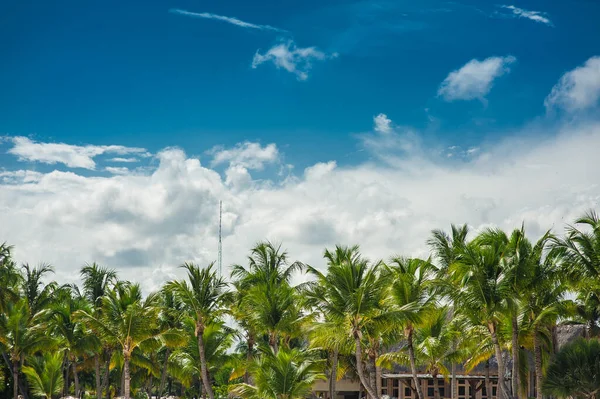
(445,248)
(485,290)
(287,374)
(74,337)
(97,281)
(434,345)
(574,371)
(543,301)
(358,296)
(171,318)
(22,334)
(412,290)
(205,296)
(128,321)
(45,375)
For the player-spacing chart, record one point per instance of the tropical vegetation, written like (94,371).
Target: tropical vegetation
(273,327)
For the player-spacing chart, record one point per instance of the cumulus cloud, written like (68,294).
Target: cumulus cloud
(578,89)
(73,156)
(536,16)
(146,225)
(382,123)
(248,155)
(474,80)
(229,20)
(293,59)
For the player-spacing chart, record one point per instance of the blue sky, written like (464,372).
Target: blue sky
(123,124)
(132,72)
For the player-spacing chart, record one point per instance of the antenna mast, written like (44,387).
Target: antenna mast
(220,259)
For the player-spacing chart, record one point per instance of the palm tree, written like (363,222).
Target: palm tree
(39,296)
(412,291)
(574,371)
(287,374)
(171,318)
(45,374)
(73,334)
(21,334)
(581,246)
(128,321)
(445,248)
(97,280)
(543,300)
(358,300)
(204,297)
(434,345)
(265,294)
(485,289)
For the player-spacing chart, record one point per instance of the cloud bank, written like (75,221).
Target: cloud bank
(146,224)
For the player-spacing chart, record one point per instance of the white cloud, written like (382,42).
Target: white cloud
(474,80)
(578,89)
(230,20)
(146,225)
(536,16)
(382,123)
(293,59)
(248,155)
(123,160)
(117,170)
(73,156)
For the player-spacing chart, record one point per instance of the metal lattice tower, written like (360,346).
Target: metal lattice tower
(220,258)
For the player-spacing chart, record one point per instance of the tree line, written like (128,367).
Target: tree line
(481,297)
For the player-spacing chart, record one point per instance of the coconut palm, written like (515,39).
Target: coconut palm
(412,291)
(543,301)
(204,298)
(97,280)
(287,374)
(434,345)
(574,371)
(171,318)
(74,336)
(485,289)
(445,249)
(22,334)
(127,321)
(359,294)
(39,296)
(44,374)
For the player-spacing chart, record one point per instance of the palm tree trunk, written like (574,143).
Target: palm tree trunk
(515,357)
(203,364)
(15,370)
(127,377)
(501,391)
(106,380)
(76,378)
(378,380)
(436,384)
(413,365)
(163,375)
(333,374)
(453,383)
(537,354)
(488,382)
(97,369)
(359,367)
(273,342)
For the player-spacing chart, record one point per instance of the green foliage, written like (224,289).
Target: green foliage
(575,371)
(45,374)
